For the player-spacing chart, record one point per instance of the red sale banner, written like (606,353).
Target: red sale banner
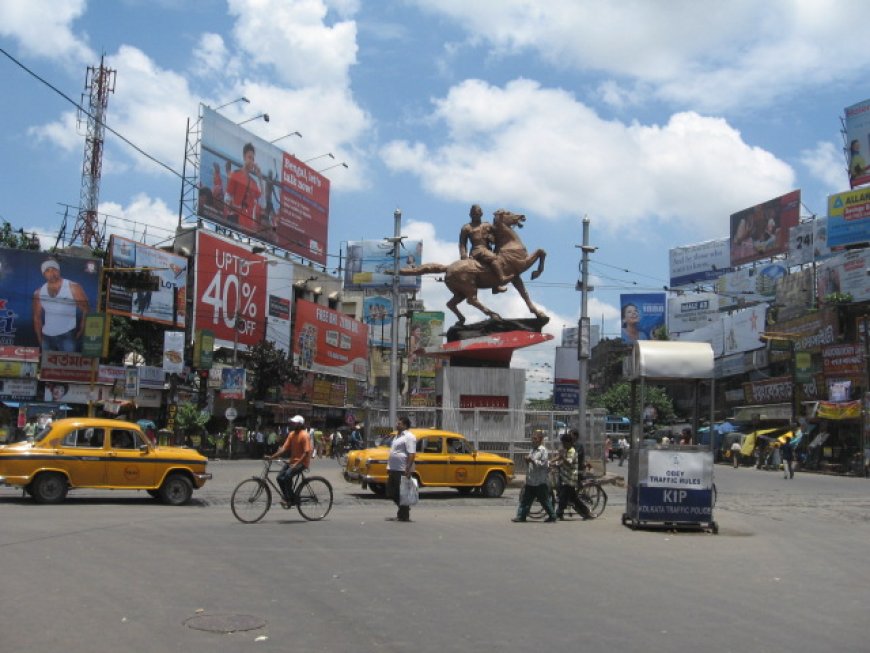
(329,342)
(231,287)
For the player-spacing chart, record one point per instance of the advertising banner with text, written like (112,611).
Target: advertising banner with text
(251,186)
(370,265)
(857,123)
(849,217)
(698,263)
(232,282)
(329,342)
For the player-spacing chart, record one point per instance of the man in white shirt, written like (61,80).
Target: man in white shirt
(403,450)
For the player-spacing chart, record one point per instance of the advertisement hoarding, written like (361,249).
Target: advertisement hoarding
(857,123)
(249,185)
(231,282)
(164,305)
(761,231)
(378,315)
(426,328)
(706,261)
(370,263)
(329,342)
(57,291)
(845,272)
(849,218)
(690,311)
(641,315)
(749,285)
(808,242)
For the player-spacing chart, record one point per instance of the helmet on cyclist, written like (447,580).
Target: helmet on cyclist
(297,419)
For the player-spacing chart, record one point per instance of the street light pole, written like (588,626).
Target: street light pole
(583,341)
(394,326)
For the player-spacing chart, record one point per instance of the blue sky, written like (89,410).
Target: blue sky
(657,120)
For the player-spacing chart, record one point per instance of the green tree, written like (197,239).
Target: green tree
(142,337)
(17,239)
(270,369)
(617,401)
(190,420)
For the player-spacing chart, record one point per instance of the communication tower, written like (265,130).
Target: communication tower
(99,82)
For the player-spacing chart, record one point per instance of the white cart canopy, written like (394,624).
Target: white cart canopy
(664,359)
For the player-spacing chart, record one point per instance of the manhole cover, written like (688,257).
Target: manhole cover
(225,623)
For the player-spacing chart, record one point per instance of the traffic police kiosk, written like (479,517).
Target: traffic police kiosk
(670,485)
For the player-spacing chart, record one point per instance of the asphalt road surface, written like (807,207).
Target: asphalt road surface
(109,571)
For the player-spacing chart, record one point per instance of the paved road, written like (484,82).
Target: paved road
(117,571)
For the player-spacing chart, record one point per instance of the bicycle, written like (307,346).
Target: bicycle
(590,492)
(252,498)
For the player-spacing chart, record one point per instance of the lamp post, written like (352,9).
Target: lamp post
(396,240)
(319,156)
(264,116)
(342,164)
(583,330)
(238,99)
(275,140)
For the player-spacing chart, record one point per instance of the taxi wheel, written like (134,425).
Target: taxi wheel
(154,494)
(493,486)
(49,487)
(378,488)
(176,490)
(465,490)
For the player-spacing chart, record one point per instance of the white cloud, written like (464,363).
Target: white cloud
(210,56)
(826,163)
(294,39)
(63,132)
(44,29)
(540,150)
(144,219)
(702,55)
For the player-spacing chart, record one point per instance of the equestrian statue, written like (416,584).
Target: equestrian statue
(497,257)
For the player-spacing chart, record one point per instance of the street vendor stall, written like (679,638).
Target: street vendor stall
(670,485)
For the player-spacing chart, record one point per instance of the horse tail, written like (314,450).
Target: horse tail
(426,268)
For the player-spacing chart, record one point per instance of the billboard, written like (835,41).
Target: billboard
(44,299)
(329,342)
(689,312)
(845,272)
(566,378)
(370,265)
(378,315)
(161,305)
(808,242)
(641,315)
(849,218)
(248,185)
(232,281)
(749,285)
(857,125)
(761,231)
(697,263)
(426,328)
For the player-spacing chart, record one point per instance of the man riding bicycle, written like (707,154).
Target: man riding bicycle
(298,446)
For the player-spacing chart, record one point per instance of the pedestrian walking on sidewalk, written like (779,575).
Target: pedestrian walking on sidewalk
(400,463)
(787,453)
(536,487)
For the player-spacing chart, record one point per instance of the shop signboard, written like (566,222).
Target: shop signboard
(24,354)
(65,366)
(253,187)
(329,342)
(233,382)
(846,359)
(17,389)
(173,352)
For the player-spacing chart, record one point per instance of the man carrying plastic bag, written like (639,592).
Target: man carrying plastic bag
(399,467)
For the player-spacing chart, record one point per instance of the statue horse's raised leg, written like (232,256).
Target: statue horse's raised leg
(539,255)
(521,289)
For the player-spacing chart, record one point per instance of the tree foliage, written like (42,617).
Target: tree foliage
(17,239)
(270,369)
(617,401)
(138,336)
(189,419)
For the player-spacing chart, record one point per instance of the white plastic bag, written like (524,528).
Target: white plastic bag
(408,494)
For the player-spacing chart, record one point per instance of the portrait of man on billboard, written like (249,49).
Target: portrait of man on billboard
(59,310)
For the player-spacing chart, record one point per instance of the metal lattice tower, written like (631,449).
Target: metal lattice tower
(99,82)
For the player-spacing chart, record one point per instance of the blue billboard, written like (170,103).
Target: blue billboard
(642,315)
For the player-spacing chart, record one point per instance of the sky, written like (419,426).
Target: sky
(654,120)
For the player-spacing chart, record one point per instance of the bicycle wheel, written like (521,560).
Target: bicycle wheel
(314,498)
(251,499)
(595,497)
(536,511)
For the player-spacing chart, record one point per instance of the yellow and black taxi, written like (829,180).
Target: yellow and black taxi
(100,453)
(444,459)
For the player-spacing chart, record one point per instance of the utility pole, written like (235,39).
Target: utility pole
(583,339)
(396,240)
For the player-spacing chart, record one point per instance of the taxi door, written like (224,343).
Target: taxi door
(127,465)
(429,461)
(461,466)
(86,463)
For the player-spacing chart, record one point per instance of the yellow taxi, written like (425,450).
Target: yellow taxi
(444,459)
(100,453)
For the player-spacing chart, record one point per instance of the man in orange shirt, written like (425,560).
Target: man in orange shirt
(298,446)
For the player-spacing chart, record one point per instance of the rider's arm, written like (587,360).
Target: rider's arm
(284,448)
(463,237)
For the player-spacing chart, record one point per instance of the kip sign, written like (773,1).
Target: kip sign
(676,486)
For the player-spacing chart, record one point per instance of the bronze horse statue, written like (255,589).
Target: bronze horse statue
(465,277)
